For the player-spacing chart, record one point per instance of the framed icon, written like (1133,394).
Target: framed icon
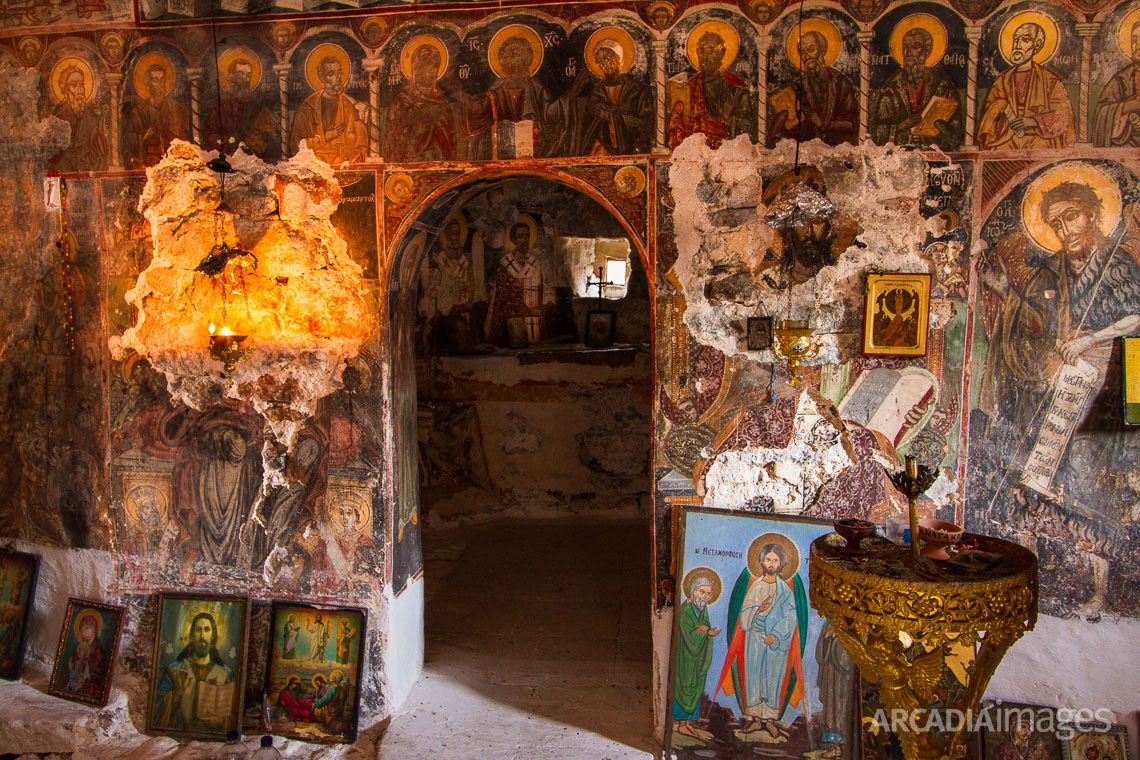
(198,671)
(759,333)
(312,683)
(599,329)
(1131,380)
(896,314)
(88,647)
(17,590)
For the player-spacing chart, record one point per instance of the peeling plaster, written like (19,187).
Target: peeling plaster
(719,229)
(784,480)
(309,308)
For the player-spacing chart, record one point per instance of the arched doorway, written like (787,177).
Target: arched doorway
(527,392)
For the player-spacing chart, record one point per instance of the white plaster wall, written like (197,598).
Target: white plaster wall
(404,655)
(63,573)
(1074,664)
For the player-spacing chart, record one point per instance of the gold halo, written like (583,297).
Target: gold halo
(790,568)
(722,29)
(84,614)
(931,24)
(414,44)
(712,575)
(318,54)
(313,680)
(529,222)
(1046,22)
(336,672)
(1106,189)
(1124,33)
(815,24)
(398,187)
(113,36)
(368,24)
(130,501)
(660,4)
(635,174)
(128,365)
(238,54)
(283,25)
(215,611)
(457,217)
(506,33)
(618,35)
(38,45)
(84,69)
(144,63)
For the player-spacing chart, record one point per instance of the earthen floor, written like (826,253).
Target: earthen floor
(537,646)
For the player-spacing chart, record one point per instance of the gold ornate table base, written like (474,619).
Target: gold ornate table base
(917,627)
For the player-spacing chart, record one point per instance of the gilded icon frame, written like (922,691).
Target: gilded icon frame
(902,333)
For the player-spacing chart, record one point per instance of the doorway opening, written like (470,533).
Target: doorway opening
(522,372)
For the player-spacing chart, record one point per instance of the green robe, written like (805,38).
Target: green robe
(694,655)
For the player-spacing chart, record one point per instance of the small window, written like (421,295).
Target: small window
(616,276)
(590,260)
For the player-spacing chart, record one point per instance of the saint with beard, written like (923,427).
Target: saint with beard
(714,102)
(242,117)
(422,120)
(900,104)
(694,649)
(1116,122)
(155,121)
(768,617)
(88,148)
(618,111)
(820,103)
(327,119)
(177,702)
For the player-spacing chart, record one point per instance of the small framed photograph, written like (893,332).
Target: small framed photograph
(599,329)
(759,333)
(1095,741)
(17,590)
(198,672)
(88,646)
(1131,380)
(896,314)
(312,682)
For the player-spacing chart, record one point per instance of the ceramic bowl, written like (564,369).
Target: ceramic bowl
(937,535)
(853,531)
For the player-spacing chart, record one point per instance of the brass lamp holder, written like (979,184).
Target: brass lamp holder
(913,482)
(794,342)
(230,349)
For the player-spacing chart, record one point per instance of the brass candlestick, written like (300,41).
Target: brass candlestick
(914,482)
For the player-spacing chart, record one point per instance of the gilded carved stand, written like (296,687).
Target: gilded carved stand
(899,618)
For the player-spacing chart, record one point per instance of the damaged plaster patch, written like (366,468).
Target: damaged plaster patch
(309,308)
(27,245)
(784,480)
(720,234)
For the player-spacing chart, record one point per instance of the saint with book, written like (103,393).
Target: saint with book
(918,105)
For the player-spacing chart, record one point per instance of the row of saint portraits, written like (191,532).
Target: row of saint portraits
(1056,286)
(755,671)
(198,671)
(526,90)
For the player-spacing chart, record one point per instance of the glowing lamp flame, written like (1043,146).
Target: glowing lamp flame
(211,328)
(226,331)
